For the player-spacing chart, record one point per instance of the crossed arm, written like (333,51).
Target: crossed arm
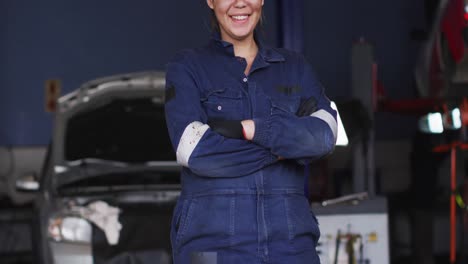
(235,148)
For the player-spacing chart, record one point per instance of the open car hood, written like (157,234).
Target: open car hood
(112,125)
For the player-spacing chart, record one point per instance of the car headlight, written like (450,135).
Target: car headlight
(70,229)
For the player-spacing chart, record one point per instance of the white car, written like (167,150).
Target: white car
(110,180)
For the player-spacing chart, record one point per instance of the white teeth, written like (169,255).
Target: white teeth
(239,17)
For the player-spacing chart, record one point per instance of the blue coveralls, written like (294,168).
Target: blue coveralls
(239,202)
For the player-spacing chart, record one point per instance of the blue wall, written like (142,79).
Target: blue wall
(3,64)
(332,26)
(76,41)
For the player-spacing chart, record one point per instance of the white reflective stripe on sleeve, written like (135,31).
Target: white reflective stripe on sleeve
(189,140)
(328,118)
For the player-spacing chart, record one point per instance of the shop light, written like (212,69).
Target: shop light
(456,118)
(431,123)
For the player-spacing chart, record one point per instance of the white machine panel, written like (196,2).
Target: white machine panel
(366,235)
(354,229)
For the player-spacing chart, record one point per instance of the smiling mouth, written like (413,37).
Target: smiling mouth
(240,18)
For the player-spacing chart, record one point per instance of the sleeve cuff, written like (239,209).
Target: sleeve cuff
(262,132)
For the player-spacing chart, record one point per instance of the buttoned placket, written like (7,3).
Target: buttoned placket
(262,227)
(249,87)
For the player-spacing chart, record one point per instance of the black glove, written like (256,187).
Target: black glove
(307,107)
(227,128)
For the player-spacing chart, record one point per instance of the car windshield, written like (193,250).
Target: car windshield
(125,130)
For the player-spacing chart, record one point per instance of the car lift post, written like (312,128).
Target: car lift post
(363,74)
(453,188)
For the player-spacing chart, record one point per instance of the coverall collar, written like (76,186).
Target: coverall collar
(268,54)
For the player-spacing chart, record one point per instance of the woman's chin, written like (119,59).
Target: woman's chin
(241,34)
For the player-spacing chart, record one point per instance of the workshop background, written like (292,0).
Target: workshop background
(68,43)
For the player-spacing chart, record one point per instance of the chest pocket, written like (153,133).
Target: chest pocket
(285,103)
(224,103)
